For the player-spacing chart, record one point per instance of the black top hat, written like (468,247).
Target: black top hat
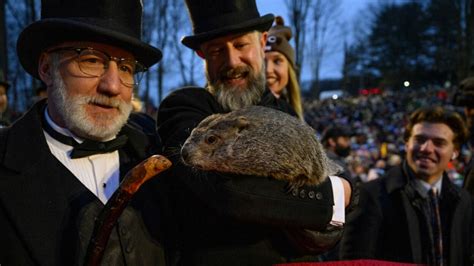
(115,22)
(215,18)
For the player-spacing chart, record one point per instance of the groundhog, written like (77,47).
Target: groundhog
(259,141)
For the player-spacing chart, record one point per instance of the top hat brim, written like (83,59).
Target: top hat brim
(40,35)
(260,24)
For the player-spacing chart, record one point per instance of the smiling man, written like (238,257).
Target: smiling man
(415,213)
(221,219)
(236,75)
(62,161)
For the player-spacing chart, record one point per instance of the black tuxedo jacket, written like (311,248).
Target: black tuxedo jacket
(47,215)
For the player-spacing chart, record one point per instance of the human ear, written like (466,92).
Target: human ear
(200,53)
(45,69)
(263,41)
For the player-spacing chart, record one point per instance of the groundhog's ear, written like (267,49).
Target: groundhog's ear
(241,123)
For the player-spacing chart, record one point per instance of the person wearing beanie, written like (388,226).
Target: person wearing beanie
(281,67)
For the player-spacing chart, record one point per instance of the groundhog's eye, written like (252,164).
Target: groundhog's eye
(211,139)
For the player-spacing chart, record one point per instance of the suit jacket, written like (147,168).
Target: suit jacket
(387,224)
(47,215)
(219,219)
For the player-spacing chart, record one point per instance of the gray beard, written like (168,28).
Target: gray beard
(73,112)
(235,97)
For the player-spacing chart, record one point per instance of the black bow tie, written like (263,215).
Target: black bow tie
(87,147)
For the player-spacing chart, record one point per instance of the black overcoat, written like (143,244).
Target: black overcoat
(219,219)
(47,215)
(386,224)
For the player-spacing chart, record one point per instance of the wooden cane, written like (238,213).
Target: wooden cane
(107,218)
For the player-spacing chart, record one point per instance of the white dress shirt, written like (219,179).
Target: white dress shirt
(423,187)
(100,173)
(339,211)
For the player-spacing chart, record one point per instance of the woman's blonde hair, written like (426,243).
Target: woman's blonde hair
(294,92)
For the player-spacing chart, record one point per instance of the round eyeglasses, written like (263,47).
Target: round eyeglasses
(94,63)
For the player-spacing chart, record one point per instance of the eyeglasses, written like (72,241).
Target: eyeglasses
(94,63)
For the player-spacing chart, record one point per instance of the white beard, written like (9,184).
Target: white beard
(73,112)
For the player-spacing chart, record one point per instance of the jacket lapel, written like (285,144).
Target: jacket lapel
(39,192)
(397,181)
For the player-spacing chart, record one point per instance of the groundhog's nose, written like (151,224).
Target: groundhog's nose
(184,154)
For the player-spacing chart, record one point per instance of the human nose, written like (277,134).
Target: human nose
(268,66)
(427,146)
(233,57)
(110,83)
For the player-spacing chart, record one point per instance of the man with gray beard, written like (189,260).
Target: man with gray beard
(62,161)
(220,219)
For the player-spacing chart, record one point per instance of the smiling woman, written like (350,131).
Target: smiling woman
(280,66)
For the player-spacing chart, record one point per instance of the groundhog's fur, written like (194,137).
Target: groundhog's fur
(259,141)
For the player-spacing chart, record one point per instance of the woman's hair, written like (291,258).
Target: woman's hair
(293,92)
(278,41)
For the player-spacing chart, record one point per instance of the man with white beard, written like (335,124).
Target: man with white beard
(220,219)
(62,161)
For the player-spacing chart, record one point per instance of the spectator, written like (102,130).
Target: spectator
(414,213)
(337,142)
(280,66)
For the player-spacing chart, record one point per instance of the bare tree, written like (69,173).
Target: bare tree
(18,14)
(324,28)
(183,58)
(149,18)
(297,13)
(163,31)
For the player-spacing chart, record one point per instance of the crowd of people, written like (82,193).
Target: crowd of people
(63,160)
(375,124)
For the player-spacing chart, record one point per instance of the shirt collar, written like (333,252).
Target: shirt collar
(423,187)
(61,130)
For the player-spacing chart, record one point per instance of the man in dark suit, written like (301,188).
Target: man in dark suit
(52,185)
(415,213)
(220,219)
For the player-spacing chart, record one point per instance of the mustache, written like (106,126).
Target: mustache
(228,72)
(101,99)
